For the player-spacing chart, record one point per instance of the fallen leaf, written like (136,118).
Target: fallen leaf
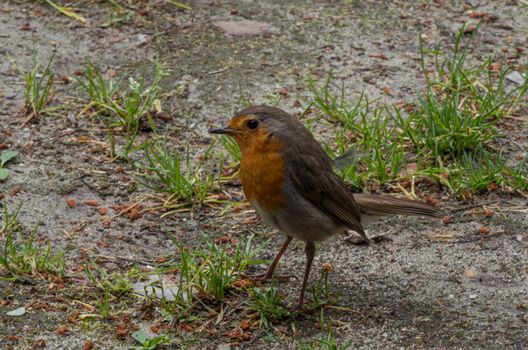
(380,56)
(119,169)
(122,332)
(92,202)
(41,306)
(186,327)
(26,27)
(62,330)
(431,200)
(134,214)
(106,223)
(245,324)
(242,283)
(238,334)
(14,191)
(73,318)
(477,14)
(328,267)
(71,202)
(88,345)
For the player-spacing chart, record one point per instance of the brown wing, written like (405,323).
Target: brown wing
(315,179)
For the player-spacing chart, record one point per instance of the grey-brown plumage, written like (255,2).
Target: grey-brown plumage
(312,175)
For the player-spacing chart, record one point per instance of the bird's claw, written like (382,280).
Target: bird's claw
(381,239)
(357,239)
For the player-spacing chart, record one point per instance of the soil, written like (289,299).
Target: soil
(434,286)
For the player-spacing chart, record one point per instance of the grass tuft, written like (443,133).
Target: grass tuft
(267,303)
(124,109)
(451,133)
(170,171)
(21,256)
(39,88)
(205,274)
(327,343)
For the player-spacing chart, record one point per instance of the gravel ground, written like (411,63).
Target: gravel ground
(434,286)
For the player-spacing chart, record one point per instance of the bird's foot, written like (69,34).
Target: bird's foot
(357,239)
(381,239)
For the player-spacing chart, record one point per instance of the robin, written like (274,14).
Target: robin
(289,180)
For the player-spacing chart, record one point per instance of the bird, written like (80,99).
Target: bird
(290,182)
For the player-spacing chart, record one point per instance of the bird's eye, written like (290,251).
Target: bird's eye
(252,124)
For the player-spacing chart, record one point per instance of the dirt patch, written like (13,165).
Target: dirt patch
(411,293)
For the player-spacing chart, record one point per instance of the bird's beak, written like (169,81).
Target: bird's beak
(226,131)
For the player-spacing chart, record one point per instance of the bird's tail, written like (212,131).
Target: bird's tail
(374,205)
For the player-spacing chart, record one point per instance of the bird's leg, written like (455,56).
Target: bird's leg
(273,265)
(310,253)
(269,274)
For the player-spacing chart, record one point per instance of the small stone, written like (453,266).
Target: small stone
(522,238)
(472,296)
(516,77)
(17,312)
(470,272)
(142,39)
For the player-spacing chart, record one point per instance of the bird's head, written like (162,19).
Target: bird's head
(258,124)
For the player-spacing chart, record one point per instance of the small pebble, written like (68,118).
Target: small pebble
(515,77)
(472,296)
(470,272)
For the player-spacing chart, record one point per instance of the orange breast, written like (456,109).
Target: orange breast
(262,174)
